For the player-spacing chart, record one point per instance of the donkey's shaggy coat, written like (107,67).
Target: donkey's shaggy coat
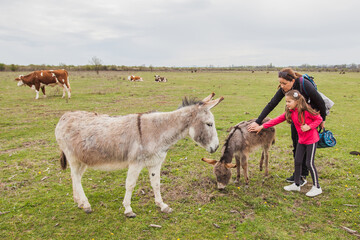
(134,141)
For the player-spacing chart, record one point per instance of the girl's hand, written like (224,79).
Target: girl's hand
(252,127)
(322,125)
(305,128)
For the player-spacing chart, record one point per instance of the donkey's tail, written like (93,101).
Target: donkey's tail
(63,162)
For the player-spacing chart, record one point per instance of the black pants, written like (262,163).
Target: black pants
(309,152)
(295,139)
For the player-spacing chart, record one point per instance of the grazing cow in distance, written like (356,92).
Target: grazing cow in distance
(160,79)
(135,78)
(241,143)
(39,79)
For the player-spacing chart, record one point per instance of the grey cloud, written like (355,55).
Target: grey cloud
(182,33)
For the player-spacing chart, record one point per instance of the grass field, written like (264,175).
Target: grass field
(36,195)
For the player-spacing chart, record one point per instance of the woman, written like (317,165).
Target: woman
(290,80)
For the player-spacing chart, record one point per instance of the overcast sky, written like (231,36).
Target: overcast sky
(181,32)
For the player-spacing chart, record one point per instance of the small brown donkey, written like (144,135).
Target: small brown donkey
(241,143)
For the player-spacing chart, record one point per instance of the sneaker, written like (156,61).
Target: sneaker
(291,179)
(292,187)
(302,180)
(314,191)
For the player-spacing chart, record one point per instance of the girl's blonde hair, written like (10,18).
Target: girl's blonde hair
(302,106)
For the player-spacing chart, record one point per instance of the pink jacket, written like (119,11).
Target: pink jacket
(308,137)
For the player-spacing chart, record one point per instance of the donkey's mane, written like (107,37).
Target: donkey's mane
(233,129)
(188,101)
(228,153)
(227,140)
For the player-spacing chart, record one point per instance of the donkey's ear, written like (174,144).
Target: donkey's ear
(209,161)
(230,165)
(213,103)
(208,98)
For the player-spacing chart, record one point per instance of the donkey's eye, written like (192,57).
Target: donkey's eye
(209,124)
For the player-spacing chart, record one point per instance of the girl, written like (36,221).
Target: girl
(290,80)
(306,120)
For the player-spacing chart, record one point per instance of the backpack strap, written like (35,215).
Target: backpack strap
(302,85)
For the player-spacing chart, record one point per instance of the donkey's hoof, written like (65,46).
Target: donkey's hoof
(130,214)
(167,210)
(88,210)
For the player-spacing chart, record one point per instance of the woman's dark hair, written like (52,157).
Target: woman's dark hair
(288,74)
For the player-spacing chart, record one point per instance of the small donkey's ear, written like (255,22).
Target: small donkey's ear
(213,103)
(208,98)
(230,165)
(209,161)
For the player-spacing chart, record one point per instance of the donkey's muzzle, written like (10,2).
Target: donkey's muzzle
(212,150)
(221,186)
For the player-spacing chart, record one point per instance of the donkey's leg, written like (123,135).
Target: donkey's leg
(238,161)
(154,173)
(132,176)
(77,170)
(262,160)
(244,165)
(266,156)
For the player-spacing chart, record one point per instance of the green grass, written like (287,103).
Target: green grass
(36,195)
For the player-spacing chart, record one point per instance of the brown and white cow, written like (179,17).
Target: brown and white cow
(135,78)
(39,79)
(160,79)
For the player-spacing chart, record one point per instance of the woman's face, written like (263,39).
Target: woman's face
(286,85)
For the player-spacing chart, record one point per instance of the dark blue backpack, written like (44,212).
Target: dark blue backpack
(328,102)
(302,85)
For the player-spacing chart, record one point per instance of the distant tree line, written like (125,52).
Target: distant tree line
(96,65)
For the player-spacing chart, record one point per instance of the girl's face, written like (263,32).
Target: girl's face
(290,103)
(286,85)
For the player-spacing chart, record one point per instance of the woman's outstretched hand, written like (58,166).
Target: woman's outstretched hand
(253,127)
